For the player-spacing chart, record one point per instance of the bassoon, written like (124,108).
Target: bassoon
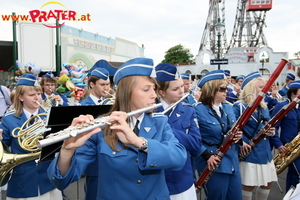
(239,124)
(272,123)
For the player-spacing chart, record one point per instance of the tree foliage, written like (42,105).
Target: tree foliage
(178,54)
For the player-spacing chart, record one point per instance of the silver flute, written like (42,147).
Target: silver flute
(84,128)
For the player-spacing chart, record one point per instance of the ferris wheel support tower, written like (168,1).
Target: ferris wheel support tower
(209,37)
(249,23)
(248,26)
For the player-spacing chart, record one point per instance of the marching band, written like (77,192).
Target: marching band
(218,137)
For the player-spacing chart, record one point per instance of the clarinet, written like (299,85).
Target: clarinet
(272,123)
(239,124)
(99,122)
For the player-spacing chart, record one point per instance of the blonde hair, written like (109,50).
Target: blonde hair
(123,103)
(209,90)
(250,88)
(20,90)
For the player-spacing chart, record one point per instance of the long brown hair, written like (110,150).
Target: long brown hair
(122,103)
(209,90)
(20,90)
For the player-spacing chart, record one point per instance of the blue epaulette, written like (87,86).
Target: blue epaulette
(196,104)
(186,104)
(158,115)
(10,113)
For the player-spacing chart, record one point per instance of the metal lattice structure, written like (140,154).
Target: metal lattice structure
(247,30)
(209,37)
(248,27)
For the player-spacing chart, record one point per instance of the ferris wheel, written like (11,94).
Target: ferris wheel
(248,25)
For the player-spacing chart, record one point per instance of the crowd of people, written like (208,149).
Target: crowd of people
(159,153)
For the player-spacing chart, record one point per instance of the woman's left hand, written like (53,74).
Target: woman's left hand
(123,131)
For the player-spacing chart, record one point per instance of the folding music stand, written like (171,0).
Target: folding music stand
(61,117)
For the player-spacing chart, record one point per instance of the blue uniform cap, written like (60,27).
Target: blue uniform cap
(295,84)
(227,72)
(216,74)
(240,77)
(166,72)
(28,79)
(49,74)
(101,73)
(249,77)
(136,66)
(186,76)
(290,76)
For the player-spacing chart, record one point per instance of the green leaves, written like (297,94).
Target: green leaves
(178,54)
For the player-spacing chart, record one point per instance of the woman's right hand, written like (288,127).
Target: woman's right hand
(282,149)
(77,141)
(213,162)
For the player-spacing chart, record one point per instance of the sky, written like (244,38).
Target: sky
(162,24)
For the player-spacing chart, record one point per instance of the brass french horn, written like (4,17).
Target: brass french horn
(28,134)
(107,101)
(49,102)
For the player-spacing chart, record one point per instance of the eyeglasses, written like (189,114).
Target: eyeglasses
(49,85)
(223,89)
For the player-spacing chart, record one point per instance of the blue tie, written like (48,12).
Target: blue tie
(136,128)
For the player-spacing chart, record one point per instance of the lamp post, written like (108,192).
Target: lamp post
(219,27)
(262,63)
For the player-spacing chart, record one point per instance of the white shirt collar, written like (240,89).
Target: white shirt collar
(133,121)
(95,99)
(28,114)
(217,109)
(166,106)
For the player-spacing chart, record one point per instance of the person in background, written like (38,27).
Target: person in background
(29,179)
(215,119)
(286,130)
(49,85)
(187,85)
(132,152)
(272,97)
(289,79)
(233,96)
(5,101)
(183,121)
(99,83)
(257,169)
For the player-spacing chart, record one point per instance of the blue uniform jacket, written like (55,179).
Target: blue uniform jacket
(185,127)
(283,91)
(128,174)
(65,99)
(289,126)
(271,102)
(28,177)
(91,172)
(261,153)
(190,100)
(211,132)
(87,101)
(231,97)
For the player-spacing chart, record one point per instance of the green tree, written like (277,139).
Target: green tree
(178,54)
(297,54)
